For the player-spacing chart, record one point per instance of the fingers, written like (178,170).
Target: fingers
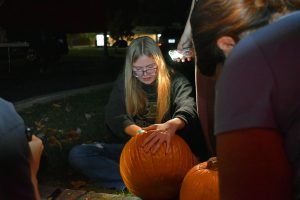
(151,144)
(151,127)
(156,146)
(154,141)
(183,59)
(149,138)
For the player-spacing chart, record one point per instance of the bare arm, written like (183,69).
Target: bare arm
(36,148)
(132,130)
(186,37)
(253,165)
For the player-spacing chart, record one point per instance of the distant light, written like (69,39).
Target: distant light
(100,40)
(158,35)
(171,41)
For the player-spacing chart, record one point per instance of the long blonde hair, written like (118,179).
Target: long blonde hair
(135,97)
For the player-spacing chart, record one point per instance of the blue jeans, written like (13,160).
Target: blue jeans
(100,163)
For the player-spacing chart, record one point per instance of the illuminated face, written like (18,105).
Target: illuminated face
(145,69)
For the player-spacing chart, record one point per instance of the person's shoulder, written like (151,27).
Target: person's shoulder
(293,17)
(8,115)
(279,29)
(267,37)
(6,108)
(5,104)
(177,76)
(284,30)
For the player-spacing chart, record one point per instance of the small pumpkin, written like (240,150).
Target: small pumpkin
(155,176)
(201,182)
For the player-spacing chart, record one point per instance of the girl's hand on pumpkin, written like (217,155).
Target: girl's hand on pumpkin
(160,133)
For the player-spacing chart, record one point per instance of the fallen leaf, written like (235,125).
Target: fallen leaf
(78,130)
(53,141)
(78,184)
(56,105)
(73,135)
(87,116)
(68,108)
(39,125)
(51,131)
(45,119)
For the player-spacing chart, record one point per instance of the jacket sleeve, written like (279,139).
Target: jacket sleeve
(183,106)
(182,100)
(116,117)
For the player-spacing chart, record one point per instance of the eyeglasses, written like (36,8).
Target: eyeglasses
(149,70)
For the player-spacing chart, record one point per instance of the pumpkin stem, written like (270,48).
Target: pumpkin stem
(212,163)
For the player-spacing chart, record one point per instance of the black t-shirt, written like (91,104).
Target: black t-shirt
(147,117)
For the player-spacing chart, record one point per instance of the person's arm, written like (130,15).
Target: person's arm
(116,116)
(133,130)
(186,37)
(184,112)
(36,149)
(253,165)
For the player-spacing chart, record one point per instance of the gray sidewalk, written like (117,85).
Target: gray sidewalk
(26,103)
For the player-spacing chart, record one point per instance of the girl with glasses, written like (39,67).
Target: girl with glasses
(147,95)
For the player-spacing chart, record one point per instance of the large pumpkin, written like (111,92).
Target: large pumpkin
(201,182)
(155,176)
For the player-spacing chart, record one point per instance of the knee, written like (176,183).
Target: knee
(76,155)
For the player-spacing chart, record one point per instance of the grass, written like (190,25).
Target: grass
(64,123)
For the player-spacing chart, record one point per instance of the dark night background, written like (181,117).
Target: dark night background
(21,18)
(89,15)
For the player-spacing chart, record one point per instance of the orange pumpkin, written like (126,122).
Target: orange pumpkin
(155,176)
(201,182)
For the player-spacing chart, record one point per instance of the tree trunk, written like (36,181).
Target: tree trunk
(105,47)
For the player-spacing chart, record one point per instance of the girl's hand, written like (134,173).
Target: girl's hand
(160,133)
(185,42)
